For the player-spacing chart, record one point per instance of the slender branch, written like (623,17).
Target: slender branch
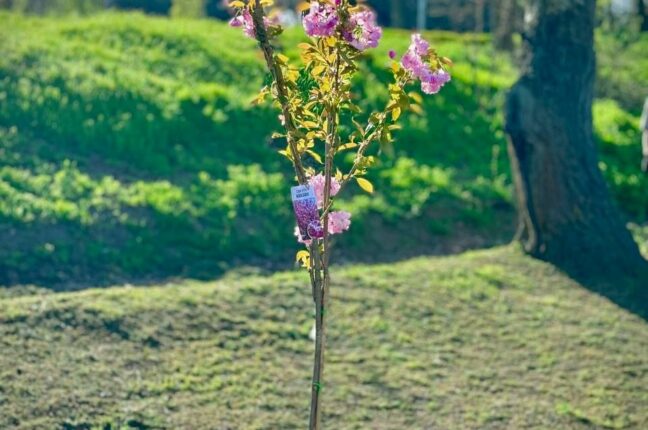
(331,147)
(321,304)
(364,145)
(258,16)
(316,271)
(311,272)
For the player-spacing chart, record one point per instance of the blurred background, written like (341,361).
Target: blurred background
(129,149)
(146,232)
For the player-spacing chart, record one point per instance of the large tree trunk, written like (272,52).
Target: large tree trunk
(566,214)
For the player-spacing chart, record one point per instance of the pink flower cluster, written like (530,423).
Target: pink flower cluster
(363,32)
(245,20)
(321,20)
(339,221)
(433,83)
(414,62)
(318,182)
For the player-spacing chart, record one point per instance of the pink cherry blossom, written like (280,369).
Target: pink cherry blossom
(339,222)
(420,45)
(318,182)
(245,20)
(435,81)
(414,61)
(362,32)
(321,20)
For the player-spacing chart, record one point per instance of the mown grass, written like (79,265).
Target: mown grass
(485,340)
(129,151)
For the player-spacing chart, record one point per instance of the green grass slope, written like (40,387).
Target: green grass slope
(129,150)
(484,340)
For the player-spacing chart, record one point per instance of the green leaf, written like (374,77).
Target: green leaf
(417,109)
(365,185)
(315,156)
(346,146)
(318,70)
(396,113)
(416,97)
(303,257)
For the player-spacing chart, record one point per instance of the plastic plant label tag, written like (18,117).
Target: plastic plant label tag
(306,212)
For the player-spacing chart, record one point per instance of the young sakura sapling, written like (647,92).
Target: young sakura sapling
(312,98)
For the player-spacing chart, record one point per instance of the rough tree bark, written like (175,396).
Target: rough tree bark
(566,215)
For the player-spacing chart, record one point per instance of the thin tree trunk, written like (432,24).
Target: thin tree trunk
(321,300)
(479,16)
(505,26)
(396,13)
(566,215)
(36,7)
(320,291)
(643,14)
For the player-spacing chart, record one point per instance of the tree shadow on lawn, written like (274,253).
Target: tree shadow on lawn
(629,292)
(96,256)
(69,256)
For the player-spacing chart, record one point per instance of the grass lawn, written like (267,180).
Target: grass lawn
(129,151)
(483,340)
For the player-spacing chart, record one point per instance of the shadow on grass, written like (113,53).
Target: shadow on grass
(70,256)
(629,292)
